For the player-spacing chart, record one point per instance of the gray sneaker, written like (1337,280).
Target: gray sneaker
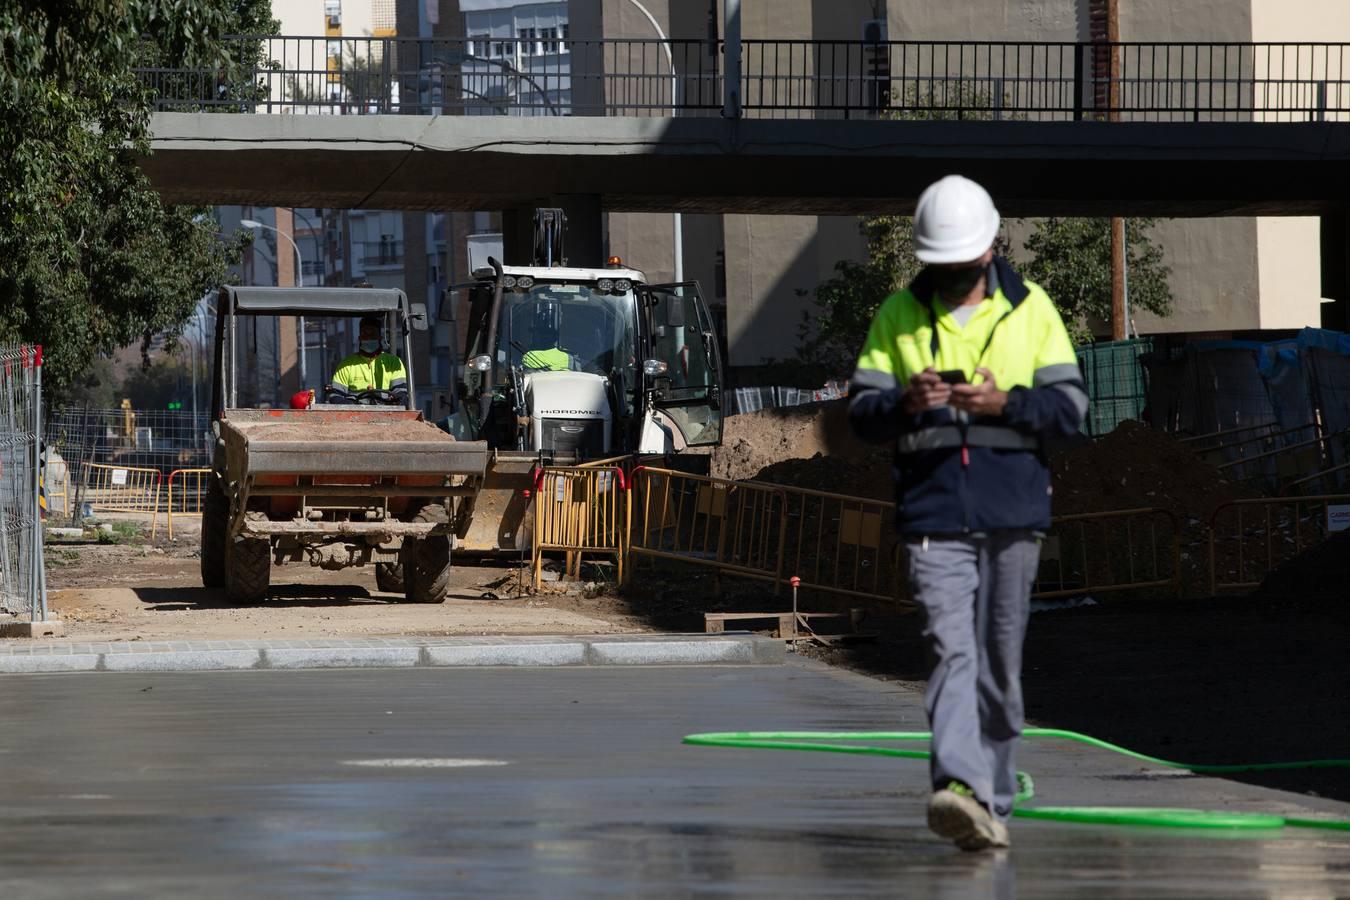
(955,814)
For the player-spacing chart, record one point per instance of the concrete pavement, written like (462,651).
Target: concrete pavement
(561,782)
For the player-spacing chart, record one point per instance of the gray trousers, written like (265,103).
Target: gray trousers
(975,593)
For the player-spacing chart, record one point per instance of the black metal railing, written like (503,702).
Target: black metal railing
(1128,82)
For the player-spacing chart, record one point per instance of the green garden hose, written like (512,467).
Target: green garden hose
(1096,815)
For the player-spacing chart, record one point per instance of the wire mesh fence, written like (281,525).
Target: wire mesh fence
(22,582)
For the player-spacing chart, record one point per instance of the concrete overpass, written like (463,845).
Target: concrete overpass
(748,165)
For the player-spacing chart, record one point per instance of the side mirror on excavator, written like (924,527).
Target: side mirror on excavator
(417,317)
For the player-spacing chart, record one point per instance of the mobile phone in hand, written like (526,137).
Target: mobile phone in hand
(953,376)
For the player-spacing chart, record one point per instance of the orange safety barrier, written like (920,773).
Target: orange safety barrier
(187,499)
(123,489)
(735,527)
(1120,550)
(1250,538)
(842,544)
(580,511)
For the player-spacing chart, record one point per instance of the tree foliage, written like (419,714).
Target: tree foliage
(846,302)
(1071,259)
(90,258)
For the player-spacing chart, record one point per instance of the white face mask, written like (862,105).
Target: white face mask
(370,346)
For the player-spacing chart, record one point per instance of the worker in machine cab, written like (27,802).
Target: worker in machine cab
(547,355)
(371,369)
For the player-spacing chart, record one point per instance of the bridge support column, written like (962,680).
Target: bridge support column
(1336,271)
(584,240)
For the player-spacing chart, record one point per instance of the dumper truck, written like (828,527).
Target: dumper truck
(353,479)
(561,365)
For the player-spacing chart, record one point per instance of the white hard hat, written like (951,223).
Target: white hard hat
(954,222)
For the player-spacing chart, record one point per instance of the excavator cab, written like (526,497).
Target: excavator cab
(563,365)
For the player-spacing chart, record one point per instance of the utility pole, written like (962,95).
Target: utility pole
(1119,252)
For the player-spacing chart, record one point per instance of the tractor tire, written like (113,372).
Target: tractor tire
(426,562)
(389,577)
(215,527)
(248,570)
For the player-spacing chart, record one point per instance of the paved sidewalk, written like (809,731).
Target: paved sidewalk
(33,657)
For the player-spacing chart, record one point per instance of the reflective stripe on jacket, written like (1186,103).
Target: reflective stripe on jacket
(955,474)
(358,372)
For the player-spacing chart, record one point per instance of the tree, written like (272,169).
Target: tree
(1071,259)
(90,258)
(846,303)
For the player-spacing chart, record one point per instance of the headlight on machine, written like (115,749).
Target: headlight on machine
(622,285)
(508,281)
(654,367)
(524,282)
(605,285)
(481,363)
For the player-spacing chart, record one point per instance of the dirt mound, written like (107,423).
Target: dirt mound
(755,440)
(380,430)
(1136,466)
(1319,573)
(1133,466)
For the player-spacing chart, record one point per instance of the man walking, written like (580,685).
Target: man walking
(967,369)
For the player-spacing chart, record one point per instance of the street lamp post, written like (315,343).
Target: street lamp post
(677,219)
(300,320)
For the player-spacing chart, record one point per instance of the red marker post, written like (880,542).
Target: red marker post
(796,582)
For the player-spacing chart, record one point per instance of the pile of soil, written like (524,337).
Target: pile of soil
(391,429)
(1133,466)
(753,441)
(1320,573)
(1137,466)
(808,446)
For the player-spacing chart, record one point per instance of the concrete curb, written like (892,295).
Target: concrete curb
(208,656)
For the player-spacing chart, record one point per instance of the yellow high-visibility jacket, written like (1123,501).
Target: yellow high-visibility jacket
(359,372)
(956,474)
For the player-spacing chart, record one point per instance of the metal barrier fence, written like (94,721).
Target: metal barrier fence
(846,545)
(1121,550)
(1278,466)
(127,437)
(735,527)
(1250,538)
(23,585)
(124,489)
(580,511)
(552,75)
(841,544)
(187,501)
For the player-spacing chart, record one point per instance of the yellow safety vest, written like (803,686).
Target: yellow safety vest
(552,360)
(358,372)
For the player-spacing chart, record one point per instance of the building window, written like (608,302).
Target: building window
(550,39)
(528,45)
(478,45)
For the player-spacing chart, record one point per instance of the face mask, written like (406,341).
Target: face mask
(370,346)
(955,284)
